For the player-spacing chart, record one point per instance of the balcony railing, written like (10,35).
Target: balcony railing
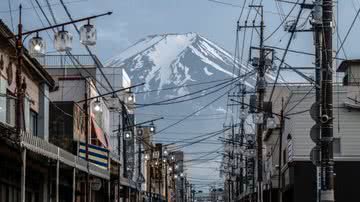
(62,61)
(49,150)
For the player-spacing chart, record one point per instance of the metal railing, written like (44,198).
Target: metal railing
(62,61)
(49,150)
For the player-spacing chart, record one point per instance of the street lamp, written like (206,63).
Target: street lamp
(127,135)
(152,127)
(243,115)
(146,157)
(37,46)
(88,34)
(97,105)
(63,40)
(271,123)
(259,118)
(166,153)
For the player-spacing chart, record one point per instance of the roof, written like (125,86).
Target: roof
(346,63)
(37,67)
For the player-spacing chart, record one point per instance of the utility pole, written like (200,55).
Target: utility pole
(327,159)
(166,182)
(86,109)
(119,152)
(317,25)
(260,87)
(282,125)
(242,136)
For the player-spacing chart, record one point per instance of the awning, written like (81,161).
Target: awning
(100,135)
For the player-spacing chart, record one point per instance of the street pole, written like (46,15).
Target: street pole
(260,88)
(282,125)
(260,106)
(150,176)
(86,109)
(327,159)
(124,126)
(119,153)
(166,182)
(317,24)
(19,85)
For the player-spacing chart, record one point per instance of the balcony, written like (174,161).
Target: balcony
(51,151)
(66,61)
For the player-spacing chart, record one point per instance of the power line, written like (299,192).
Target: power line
(348,32)
(197,111)
(166,102)
(286,50)
(282,22)
(182,86)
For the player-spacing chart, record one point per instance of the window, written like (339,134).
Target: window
(337,146)
(33,123)
(10,110)
(3,86)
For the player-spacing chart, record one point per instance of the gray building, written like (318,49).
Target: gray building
(298,174)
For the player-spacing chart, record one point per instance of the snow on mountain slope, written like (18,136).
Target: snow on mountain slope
(169,60)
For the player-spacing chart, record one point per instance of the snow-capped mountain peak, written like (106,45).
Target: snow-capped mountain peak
(176,59)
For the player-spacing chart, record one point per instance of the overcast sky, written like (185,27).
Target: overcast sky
(135,19)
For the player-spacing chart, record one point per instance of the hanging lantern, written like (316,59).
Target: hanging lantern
(88,35)
(259,118)
(97,106)
(139,132)
(37,46)
(166,153)
(152,127)
(62,41)
(113,103)
(146,157)
(127,135)
(271,123)
(243,115)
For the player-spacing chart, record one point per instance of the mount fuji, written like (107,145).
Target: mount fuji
(173,65)
(169,60)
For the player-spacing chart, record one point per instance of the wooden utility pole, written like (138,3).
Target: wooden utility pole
(282,125)
(326,106)
(260,105)
(317,25)
(260,88)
